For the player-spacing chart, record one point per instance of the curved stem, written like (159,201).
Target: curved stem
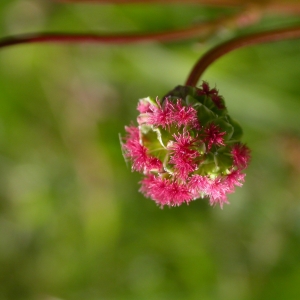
(220,50)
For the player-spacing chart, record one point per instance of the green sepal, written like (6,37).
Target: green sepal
(204,114)
(149,139)
(238,131)
(208,166)
(180,91)
(190,100)
(150,101)
(223,161)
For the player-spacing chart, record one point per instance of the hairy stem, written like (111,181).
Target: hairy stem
(269,36)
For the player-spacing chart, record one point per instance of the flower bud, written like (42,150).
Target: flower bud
(187,147)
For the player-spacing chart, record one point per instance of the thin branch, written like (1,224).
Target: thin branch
(243,18)
(124,38)
(275,6)
(202,2)
(257,38)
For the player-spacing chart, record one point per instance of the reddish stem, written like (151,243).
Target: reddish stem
(166,36)
(257,38)
(242,18)
(277,6)
(201,2)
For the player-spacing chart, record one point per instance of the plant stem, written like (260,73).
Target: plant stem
(242,18)
(103,38)
(212,55)
(202,2)
(278,6)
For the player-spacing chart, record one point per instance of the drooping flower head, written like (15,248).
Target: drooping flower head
(187,147)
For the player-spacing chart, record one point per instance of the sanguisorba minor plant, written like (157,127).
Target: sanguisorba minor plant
(185,144)
(187,147)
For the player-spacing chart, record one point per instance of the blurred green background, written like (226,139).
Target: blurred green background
(72,222)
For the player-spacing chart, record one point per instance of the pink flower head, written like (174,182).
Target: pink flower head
(182,151)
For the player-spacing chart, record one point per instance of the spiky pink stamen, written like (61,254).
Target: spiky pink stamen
(241,155)
(137,153)
(235,178)
(184,115)
(161,115)
(217,191)
(205,90)
(218,101)
(183,155)
(144,106)
(214,136)
(199,186)
(178,193)
(164,191)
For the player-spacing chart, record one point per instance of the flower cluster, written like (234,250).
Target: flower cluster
(187,147)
